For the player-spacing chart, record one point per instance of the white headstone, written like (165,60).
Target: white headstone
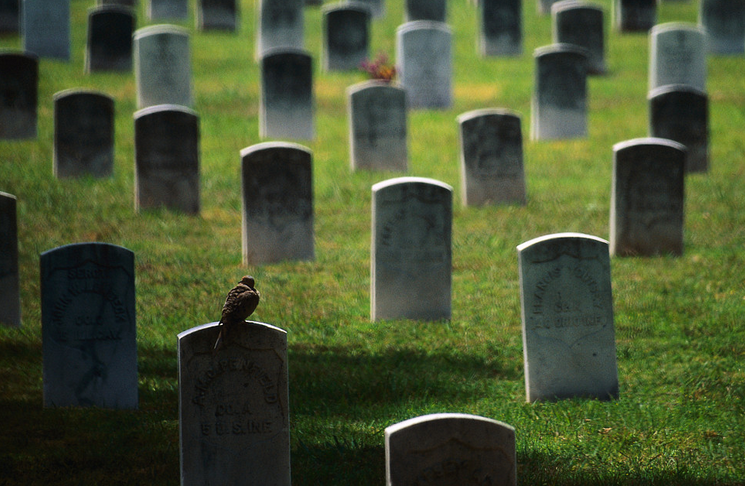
(569,341)
(581,24)
(411,255)
(167,9)
(424,58)
(501,32)
(10,285)
(280,25)
(346,36)
(19,91)
(677,55)
(45,28)
(724,23)
(286,107)
(162,66)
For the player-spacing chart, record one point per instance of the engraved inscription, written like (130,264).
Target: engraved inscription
(554,309)
(452,470)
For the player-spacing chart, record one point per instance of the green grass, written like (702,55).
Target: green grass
(679,321)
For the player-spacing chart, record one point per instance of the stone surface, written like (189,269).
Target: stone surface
(109,46)
(377,126)
(376,7)
(167,158)
(346,36)
(634,15)
(10,17)
(167,9)
(286,108)
(647,199)
(544,6)
(162,66)
(559,105)
(501,28)
(581,24)
(424,59)
(724,23)
(234,420)
(45,28)
(280,25)
(411,255)
(126,3)
(450,449)
(491,157)
(569,345)
(19,91)
(681,113)
(10,290)
(432,10)
(217,15)
(83,133)
(277,186)
(677,55)
(89,326)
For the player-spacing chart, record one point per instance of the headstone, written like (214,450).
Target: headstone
(167,158)
(89,326)
(126,3)
(109,46)
(569,343)
(491,157)
(559,107)
(286,108)
(501,28)
(423,54)
(634,15)
(677,55)
(450,449)
(277,182)
(217,15)
(10,285)
(411,257)
(234,420)
(45,28)
(647,200)
(376,7)
(10,19)
(83,133)
(681,113)
(581,24)
(162,66)
(724,23)
(346,39)
(167,9)
(544,6)
(432,10)
(19,88)
(280,25)
(377,126)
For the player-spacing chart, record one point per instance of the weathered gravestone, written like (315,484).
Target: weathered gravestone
(162,66)
(45,28)
(280,25)
(167,158)
(634,15)
(217,15)
(450,449)
(559,105)
(19,88)
(377,126)
(647,199)
(677,55)
(286,108)
(411,255)
(10,19)
(83,133)
(10,290)
(167,9)
(234,420)
(89,326)
(681,113)
(277,185)
(376,7)
(724,23)
(423,54)
(109,46)
(581,24)
(346,36)
(544,6)
(491,157)
(501,28)
(432,10)
(569,344)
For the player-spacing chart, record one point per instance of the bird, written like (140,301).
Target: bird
(239,304)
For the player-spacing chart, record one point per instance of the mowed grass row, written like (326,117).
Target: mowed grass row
(679,321)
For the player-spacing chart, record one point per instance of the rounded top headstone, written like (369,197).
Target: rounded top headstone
(560,48)
(338,6)
(160,29)
(409,180)
(501,112)
(423,25)
(668,26)
(161,108)
(671,88)
(652,141)
(573,4)
(273,145)
(557,236)
(80,91)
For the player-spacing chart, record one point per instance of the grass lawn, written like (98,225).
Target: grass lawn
(680,418)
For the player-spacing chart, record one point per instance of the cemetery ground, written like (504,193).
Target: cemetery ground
(680,417)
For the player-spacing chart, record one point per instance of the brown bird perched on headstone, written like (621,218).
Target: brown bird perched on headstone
(240,303)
